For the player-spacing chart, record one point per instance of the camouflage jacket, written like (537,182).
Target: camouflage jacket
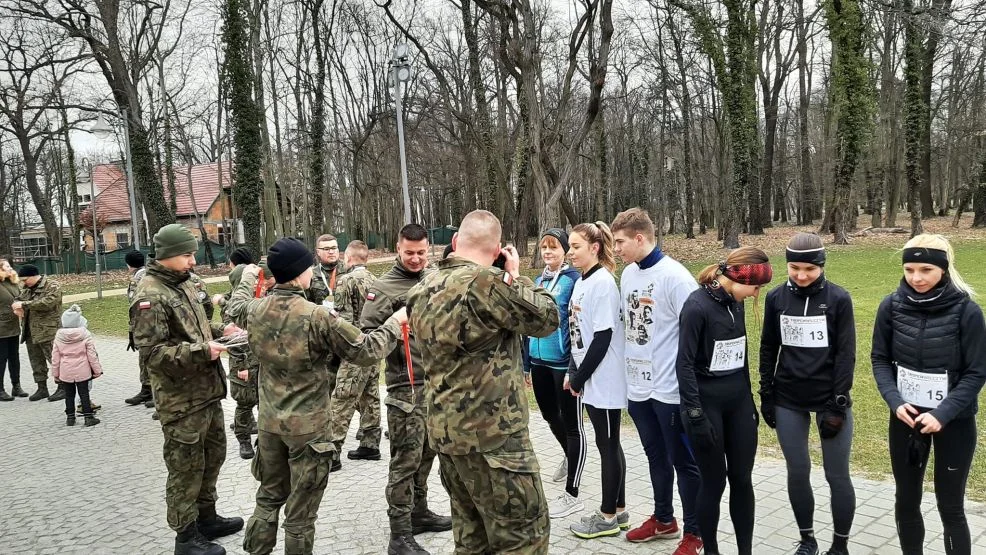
(386,295)
(468,321)
(240,358)
(9,324)
(42,310)
(324,282)
(202,293)
(172,332)
(134,280)
(350,293)
(292,338)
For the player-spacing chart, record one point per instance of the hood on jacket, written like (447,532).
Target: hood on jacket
(71,335)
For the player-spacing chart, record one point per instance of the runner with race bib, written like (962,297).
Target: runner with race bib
(807,357)
(716,397)
(929,361)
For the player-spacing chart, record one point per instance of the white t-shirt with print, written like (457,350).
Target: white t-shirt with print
(596,306)
(652,301)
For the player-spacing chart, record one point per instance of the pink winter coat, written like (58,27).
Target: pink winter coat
(73,356)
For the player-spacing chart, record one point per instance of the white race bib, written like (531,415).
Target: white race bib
(804,331)
(640,372)
(922,389)
(728,355)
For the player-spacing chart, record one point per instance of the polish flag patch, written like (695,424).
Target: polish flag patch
(144,305)
(508,279)
(371,296)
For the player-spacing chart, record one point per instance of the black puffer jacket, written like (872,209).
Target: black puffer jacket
(808,378)
(938,332)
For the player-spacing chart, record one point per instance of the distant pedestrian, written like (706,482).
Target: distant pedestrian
(9,331)
(75,364)
(929,361)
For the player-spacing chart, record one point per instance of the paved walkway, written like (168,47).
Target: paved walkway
(100,490)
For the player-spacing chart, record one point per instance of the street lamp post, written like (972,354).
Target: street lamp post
(95,230)
(400,73)
(102,130)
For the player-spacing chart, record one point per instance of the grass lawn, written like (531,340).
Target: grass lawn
(868,272)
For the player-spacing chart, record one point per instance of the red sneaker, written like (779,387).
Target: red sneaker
(652,529)
(690,545)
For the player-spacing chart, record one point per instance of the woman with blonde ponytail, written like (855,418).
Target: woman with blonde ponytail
(10,328)
(596,369)
(716,397)
(929,362)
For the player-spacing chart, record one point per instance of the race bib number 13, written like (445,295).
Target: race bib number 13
(728,355)
(804,331)
(922,389)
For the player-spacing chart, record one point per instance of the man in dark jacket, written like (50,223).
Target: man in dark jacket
(411,456)
(40,308)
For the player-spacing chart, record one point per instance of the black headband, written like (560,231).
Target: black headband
(809,256)
(925,255)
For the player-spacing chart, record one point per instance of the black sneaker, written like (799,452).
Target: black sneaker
(70,421)
(428,521)
(807,547)
(4,396)
(364,454)
(835,551)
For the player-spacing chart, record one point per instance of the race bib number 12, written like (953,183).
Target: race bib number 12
(639,372)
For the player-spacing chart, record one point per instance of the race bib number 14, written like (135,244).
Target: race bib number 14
(728,355)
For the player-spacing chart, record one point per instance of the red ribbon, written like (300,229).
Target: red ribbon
(406,333)
(260,285)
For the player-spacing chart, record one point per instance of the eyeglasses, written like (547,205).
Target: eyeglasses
(330,249)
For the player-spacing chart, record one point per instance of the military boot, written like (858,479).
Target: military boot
(41,393)
(140,397)
(246,449)
(364,454)
(213,526)
(190,541)
(4,396)
(58,395)
(404,545)
(149,403)
(16,391)
(427,521)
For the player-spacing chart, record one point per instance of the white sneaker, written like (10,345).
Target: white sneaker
(564,505)
(561,474)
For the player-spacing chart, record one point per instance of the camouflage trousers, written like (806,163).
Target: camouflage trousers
(40,355)
(357,388)
(246,396)
(498,505)
(194,451)
(293,472)
(145,380)
(411,458)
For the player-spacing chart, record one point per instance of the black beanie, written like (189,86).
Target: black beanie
(288,258)
(241,255)
(134,259)
(559,234)
(28,270)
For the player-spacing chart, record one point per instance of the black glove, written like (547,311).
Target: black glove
(130,345)
(830,423)
(767,409)
(700,431)
(918,447)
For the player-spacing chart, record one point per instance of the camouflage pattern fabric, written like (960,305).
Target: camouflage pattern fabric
(498,504)
(244,392)
(131,291)
(40,355)
(411,459)
(194,451)
(356,386)
(323,278)
(467,322)
(202,293)
(42,311)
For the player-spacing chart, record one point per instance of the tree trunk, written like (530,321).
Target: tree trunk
(914,113)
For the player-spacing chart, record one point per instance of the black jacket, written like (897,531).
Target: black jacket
(387,295)
(708,315)
(938,332)
(808,378)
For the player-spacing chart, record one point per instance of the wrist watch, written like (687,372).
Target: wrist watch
(694,413)
(841,401)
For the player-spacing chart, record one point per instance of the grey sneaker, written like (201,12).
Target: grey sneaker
(623,519)
(561,474)
(564,505)
(596,526)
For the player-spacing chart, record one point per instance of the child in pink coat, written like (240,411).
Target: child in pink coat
(74,363)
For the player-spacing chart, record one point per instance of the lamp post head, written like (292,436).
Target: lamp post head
(401,52)
(101,129)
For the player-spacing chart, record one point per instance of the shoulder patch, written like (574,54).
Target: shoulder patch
(144,305)
(371,295)
(508,279)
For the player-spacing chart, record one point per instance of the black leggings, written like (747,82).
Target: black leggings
(10,357)
(728,403)
(83,389)
(563,413)
(606,424)
(954,447)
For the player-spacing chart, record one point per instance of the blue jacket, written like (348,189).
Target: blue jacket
(555,350)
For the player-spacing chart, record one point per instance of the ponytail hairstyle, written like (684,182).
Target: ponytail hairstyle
(743,256)
(599,234)
(940,242)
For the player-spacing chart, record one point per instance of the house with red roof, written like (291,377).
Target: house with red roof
(197,191)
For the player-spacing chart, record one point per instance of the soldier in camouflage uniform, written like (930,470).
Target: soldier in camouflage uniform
(292,337)
(356,386)
(243,370)
(411,456)
(326,273)
(40,309)
(135,263)
(468,319)
(176,343)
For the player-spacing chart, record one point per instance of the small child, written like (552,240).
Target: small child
(75,363)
